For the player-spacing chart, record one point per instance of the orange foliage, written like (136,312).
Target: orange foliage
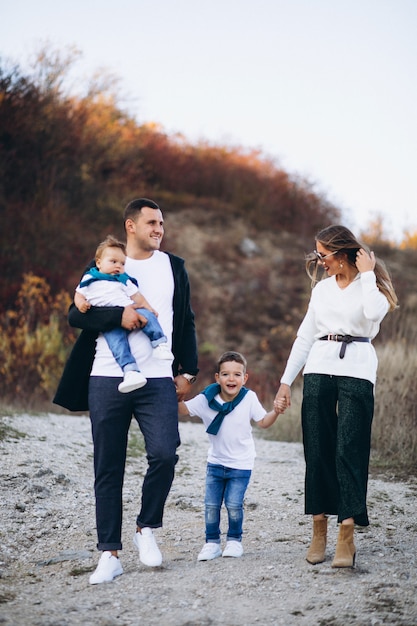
(409,240)
(375,233)
(34,342)
(69,164)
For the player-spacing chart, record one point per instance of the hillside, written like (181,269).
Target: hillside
(250,290)
(246,287)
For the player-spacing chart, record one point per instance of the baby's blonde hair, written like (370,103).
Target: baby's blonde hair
(109,242)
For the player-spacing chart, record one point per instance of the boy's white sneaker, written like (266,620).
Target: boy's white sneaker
(149,552)
(163,353)
(132,380)
(209,551)
(233,548)
(108,568)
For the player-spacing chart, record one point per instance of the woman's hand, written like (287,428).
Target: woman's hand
(365,262)
(283,398)
(280,404)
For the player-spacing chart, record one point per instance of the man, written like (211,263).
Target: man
(91,378)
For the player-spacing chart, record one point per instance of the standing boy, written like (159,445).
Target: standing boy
(226,408)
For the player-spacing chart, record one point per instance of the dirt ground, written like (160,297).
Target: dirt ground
(48,546)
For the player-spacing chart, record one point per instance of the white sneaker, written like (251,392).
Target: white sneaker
(233,548)
(209,551)
(132,380)
(149,552)
(163,353)
(108,568)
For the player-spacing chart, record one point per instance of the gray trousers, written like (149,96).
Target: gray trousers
(337,414)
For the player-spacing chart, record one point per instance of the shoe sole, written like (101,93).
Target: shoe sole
(132,387)
(118,572)
(209,558)
(232,556)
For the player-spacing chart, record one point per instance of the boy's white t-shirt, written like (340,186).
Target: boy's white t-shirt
(156,283)
(233,446)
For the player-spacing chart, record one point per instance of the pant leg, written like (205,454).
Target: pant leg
(215,486)
(319,425)
(118,342)
(237,482)
(155,408)
(110,415)
(355,409)
(153,328)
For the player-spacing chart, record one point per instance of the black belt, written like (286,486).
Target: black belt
(345,339)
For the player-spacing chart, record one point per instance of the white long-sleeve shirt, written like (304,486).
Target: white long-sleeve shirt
(356,310)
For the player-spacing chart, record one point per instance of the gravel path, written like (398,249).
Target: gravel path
(48,543)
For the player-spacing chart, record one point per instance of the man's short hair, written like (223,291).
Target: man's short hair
(135,206)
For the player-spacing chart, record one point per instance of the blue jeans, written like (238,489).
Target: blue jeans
(228,484)
(118,342)
(155,408)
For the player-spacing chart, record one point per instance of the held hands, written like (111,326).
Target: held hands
(283,398)
(365,262)
(280,405)
(182,386)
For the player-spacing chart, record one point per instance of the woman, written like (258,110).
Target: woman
(334,345)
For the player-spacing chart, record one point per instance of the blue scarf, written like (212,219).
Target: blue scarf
(210,393)
(96,275)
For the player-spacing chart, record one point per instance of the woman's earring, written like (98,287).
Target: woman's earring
(340,264)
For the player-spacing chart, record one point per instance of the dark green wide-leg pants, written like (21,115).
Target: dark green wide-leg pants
(337,414)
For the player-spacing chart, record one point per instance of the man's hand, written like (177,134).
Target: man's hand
(183,387)
(131,319)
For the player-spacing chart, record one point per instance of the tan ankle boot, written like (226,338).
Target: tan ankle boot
(317,550)
(345,548)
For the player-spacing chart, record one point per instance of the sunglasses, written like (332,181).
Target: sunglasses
(321,257)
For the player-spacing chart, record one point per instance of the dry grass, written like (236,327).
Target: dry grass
(288,425)
(394,434)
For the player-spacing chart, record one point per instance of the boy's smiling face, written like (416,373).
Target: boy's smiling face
(231,378)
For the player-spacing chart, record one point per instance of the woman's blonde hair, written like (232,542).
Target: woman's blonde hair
(341,239)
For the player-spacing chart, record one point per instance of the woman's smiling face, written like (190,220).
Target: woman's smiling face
(328,259)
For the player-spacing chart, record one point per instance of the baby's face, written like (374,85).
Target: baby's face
(112,261)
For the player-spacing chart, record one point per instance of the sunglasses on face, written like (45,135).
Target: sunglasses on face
(321,257)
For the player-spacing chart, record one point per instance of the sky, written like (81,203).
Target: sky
(327,88)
